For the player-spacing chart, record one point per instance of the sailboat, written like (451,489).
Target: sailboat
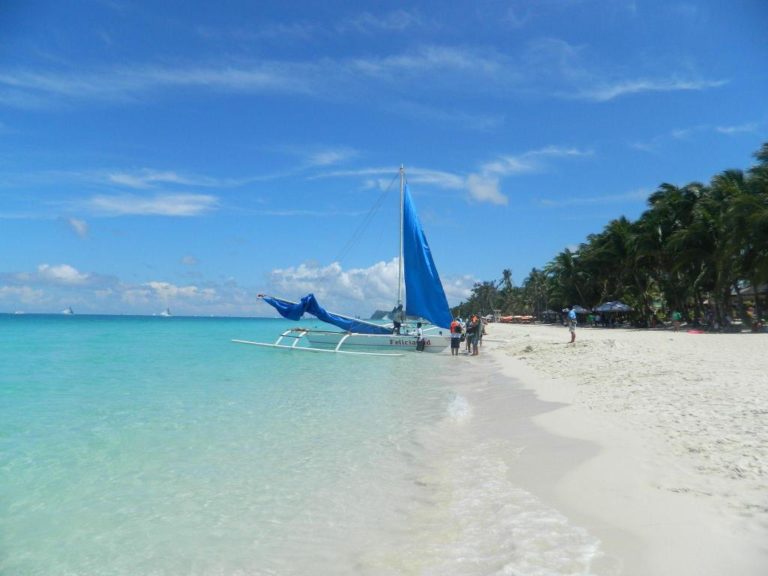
(418,281)
(67,311)
(166,313)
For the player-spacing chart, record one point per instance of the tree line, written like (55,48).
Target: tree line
(700,249)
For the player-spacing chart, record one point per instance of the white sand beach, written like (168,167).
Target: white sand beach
(678,481)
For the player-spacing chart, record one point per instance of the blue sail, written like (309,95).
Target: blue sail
(424,294)
(295,310)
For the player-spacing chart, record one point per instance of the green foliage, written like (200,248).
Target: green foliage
(691,251)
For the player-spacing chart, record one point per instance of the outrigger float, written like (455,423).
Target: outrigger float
(298,334)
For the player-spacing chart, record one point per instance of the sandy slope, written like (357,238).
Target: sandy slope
(680,485)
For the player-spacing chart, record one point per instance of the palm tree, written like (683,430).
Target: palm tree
(536,293)
(566,277)
(671,210)
(692,243)
(749,214)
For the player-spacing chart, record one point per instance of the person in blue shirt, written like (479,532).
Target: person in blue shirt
(572,323)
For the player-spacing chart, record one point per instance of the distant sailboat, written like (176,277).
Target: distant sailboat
(166,313)
(67,311)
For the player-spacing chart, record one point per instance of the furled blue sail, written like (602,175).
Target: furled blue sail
(308,304)
(424,294)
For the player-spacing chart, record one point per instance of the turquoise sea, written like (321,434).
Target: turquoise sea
(150,445)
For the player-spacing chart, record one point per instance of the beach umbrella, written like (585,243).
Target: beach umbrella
(580,309)
(613,307)
(550,315)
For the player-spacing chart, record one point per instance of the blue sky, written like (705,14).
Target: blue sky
(193,154)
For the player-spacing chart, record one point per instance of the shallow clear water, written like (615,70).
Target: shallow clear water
(147,445)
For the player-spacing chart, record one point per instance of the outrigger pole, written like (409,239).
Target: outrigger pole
(298,348)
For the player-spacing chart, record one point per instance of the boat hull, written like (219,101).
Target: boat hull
(400,342)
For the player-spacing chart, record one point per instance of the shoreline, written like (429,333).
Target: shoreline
(676,484)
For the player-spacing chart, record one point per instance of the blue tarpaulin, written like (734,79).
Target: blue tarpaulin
(308,304)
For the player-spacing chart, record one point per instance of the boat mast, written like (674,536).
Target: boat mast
(400,251)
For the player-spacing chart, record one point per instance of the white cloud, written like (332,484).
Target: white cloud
(606,92)
(52,288)
(338,77)
(167,291)
(681,133)
(437,178)
(434,60)
(79,226)
(156,293)
(367,23)
(548,66)
(507,165)
(61,273)
(23,294)
(530,161)
(484,186)
(564,70)
(739,129)
(293,32)
(125,84)
(485,189)
(354,291)
(136,296)
(656,142)
(640,195)
(382,178)
(458,289)
(147,178)
(331,156)
(376,285)
(158,205)
(189,261)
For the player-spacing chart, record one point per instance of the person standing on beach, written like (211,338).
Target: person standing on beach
(473,335)
(480,330)
(572,323)
(420,343)
(455,337)
(676,317)
(398,317)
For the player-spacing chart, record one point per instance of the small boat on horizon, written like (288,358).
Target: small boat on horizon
(68,311)
(166,313)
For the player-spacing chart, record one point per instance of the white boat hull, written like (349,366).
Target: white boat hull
(395,342)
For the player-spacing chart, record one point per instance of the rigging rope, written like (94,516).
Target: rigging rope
(365,223)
